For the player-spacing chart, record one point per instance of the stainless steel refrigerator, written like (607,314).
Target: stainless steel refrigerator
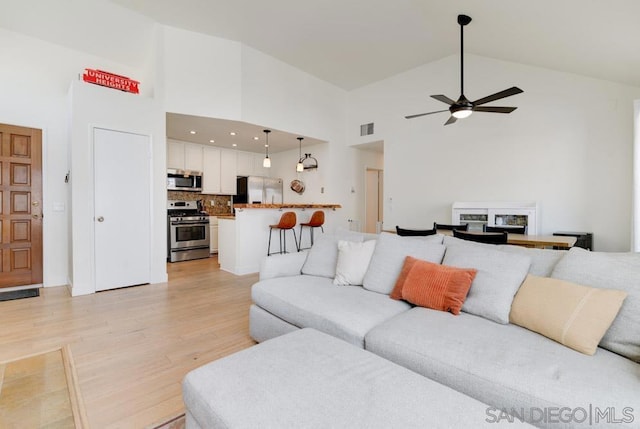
(258,190)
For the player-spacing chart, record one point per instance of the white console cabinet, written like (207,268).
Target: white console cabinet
(477,214)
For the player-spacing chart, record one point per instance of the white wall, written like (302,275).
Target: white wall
(635,246)
(568,146)
(35,78)
(94,106)
(201,74)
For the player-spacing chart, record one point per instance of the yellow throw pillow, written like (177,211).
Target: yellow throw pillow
(571,314)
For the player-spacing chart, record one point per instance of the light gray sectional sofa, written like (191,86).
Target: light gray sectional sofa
(477,352)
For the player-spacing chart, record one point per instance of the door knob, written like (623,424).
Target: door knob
(35,216)
(100,219)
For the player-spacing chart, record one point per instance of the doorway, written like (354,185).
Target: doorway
(373,200)
(20,206)
(122,208)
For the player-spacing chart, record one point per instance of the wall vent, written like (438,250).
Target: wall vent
(366,129)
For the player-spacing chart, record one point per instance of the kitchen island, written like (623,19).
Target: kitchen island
(243,239)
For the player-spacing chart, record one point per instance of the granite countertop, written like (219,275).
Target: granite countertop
(287,206)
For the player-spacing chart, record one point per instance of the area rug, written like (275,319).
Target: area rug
(41,390)
(18,294)
(177,422)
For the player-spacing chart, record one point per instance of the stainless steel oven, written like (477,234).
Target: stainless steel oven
(188,232)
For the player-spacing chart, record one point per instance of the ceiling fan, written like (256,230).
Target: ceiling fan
(462,107)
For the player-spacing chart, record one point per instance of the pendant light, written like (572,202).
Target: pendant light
(300,166)
(266,163)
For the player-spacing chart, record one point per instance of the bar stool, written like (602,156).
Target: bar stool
(287,222)
(316,221)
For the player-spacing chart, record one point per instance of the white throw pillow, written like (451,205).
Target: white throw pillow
(323,255)
(353,261)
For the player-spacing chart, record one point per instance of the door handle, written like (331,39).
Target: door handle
(100,219)
(35,216)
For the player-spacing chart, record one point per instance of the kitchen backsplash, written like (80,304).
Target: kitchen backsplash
(221,205)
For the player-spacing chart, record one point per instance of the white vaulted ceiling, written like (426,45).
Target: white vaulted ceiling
(352,43)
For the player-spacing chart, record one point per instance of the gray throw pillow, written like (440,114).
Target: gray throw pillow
(610,271)
(499,277)
(323,255)
(388,258)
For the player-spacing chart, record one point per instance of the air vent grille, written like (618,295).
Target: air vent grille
(366,129)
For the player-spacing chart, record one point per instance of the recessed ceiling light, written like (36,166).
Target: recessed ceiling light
(192,132)
(234,145)
(266,145)
(232,133)
(212,141)
(256,138)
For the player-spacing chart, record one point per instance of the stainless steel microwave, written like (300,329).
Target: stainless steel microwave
(184,180)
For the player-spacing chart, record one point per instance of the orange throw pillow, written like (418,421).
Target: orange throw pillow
(434,286)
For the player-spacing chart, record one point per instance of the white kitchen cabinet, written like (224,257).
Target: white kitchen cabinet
(245,164)
(211,170)
(175,154)
(193,157)
(219,171)
(228,172)
(213,234)
(184,156)
(250,164)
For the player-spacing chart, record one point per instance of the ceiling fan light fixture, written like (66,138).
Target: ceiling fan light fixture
(462,113)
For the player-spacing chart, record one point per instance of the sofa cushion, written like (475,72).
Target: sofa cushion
(432,285)
(323,255)
(388,258)
(307,379)
(542,260)
(499,276)
(353,261)
(610,271)
(346,312)
(505,366)
(574,315)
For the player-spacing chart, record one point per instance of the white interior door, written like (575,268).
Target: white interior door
(122,189)
(373,201)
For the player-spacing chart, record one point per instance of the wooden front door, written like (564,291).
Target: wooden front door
(20,206)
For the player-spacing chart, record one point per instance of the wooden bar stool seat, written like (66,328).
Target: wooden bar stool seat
(287,222)
(316,221)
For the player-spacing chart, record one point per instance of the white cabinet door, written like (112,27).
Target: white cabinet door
(175,155)
(193,157)
(121,219)
(213,238)
(211,170)
(246,164)
(228,172)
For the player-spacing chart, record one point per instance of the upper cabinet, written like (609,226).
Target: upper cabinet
(219,172)
(228,171)
(219,166)
(250,164)
(184,156)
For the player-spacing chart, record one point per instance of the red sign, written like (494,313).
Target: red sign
(110,80)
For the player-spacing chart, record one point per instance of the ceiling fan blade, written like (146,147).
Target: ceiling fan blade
(498,95)
(493,109)
(451,120)
(443,98)
(424,114)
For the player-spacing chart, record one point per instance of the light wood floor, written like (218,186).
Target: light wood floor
(133,346)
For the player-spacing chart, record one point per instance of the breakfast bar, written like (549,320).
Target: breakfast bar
(243,238)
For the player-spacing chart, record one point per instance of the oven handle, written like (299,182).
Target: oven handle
(193,222)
